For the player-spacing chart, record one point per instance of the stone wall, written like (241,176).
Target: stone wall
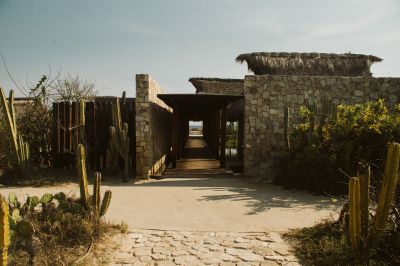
(265,99)
(153,128)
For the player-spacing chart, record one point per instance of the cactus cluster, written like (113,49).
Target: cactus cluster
(98,209)
(118,147)
(19,154)
(360,234)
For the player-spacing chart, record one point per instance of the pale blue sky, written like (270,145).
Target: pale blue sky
(111,41)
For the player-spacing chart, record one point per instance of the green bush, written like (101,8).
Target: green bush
(325,151)
(35,122)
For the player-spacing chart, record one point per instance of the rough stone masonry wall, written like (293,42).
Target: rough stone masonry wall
(266,96)
(153,128)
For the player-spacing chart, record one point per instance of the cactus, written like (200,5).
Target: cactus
(119,141)
(96,192)
(46,198)
(60,197)
(105,203)
(13,200)
(25,229)
(364,175)
(81,136)
(32,202)
(387,192)
(100,210)
(112,154)
(19,155)
(83,182)
(4,231)
(355,215)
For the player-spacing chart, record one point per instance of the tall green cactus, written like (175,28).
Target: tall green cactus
(4,231)
(81,132)
(364,175)
(100,210)
(96,192)
(355,215)
(105,203)
(359,203)
(19,154)
(83,182)
(119,141)
(387,192)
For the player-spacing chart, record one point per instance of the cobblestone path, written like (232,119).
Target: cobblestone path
(154,247)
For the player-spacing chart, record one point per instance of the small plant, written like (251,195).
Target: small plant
(18,156)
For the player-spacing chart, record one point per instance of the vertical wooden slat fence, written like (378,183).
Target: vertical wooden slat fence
(96,129)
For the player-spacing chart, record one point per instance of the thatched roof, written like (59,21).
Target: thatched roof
(218,85)
(309,64)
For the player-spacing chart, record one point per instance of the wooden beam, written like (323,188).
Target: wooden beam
(223,137)
(217,134)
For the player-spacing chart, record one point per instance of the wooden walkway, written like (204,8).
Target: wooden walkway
(197,161)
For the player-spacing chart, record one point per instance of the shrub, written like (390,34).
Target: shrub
(34,122)
(325,152)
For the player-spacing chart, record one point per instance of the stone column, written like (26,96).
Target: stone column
(152,128)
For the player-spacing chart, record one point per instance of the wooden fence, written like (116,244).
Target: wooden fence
(96,131)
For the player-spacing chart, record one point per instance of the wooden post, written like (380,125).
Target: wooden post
(240,140)
(223,137)
(179,135)
(174,136)
(217,134)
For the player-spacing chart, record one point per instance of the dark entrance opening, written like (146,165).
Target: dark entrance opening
(209,148)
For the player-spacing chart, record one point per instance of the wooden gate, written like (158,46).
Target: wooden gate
(97,131)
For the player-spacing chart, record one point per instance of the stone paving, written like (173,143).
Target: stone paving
(155,247)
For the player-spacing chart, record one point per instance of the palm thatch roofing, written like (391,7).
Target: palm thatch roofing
(218,85)
(309,64)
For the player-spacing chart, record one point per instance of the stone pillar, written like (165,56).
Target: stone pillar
(153,128)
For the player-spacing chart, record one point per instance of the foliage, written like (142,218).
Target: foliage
(13,145)
(72,88)
(326,244)
(48,223)
(325,152)
(35,123)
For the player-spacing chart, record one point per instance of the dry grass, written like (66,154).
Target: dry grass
(309,64)
(326,244)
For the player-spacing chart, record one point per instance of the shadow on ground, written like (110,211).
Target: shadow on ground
(257,197)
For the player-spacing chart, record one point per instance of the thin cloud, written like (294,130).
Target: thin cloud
(347,27)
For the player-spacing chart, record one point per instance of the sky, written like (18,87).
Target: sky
(108,42)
